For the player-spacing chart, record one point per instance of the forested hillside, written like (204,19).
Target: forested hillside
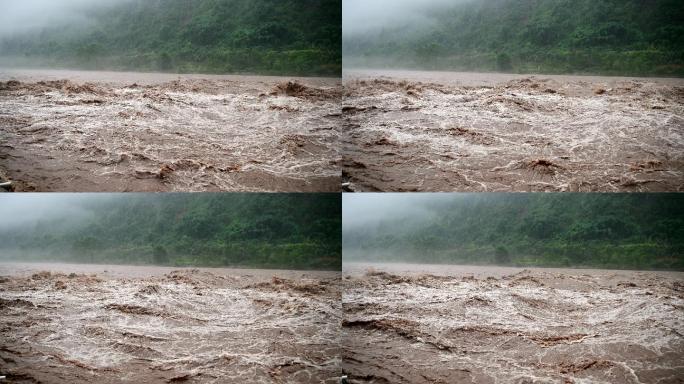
(255,230)
(615,37)
(595,230)
(292,37)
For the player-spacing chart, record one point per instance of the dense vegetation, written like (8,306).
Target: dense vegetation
(256,230)
(615,37)
(293,37)
(639,231)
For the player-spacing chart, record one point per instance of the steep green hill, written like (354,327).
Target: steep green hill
(616,37)
(293,37)
(256,230)
(595,230)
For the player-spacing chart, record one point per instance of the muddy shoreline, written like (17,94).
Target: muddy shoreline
(442,132)
(161,326)
(499,325)
(84,131)
(106,271)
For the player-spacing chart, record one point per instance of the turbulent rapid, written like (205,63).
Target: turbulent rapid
(427,131)
(81,131)
(159,325)
(501,325)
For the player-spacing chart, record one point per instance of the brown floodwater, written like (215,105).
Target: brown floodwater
(442,131)
(406,323)
(120,131)
(72,323)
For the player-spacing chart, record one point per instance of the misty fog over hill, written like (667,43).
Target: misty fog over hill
(594,230)
(255,230)
(292,37)
(613,37)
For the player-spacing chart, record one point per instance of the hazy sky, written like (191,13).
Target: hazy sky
(19,209)
(18,16)
(359,16)
(365,208)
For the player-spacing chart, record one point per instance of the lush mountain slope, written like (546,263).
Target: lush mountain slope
(223,36)
(556,36)
(602,230)
(258,230)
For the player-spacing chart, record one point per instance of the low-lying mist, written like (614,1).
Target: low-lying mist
(638,231)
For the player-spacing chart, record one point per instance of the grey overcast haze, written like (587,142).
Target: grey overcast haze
(360,16)
(20,16)
(28,209)
(372,208)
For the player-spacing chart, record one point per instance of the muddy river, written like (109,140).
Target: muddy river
(62,323)
(109,131)
(436,324)
(441,131)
